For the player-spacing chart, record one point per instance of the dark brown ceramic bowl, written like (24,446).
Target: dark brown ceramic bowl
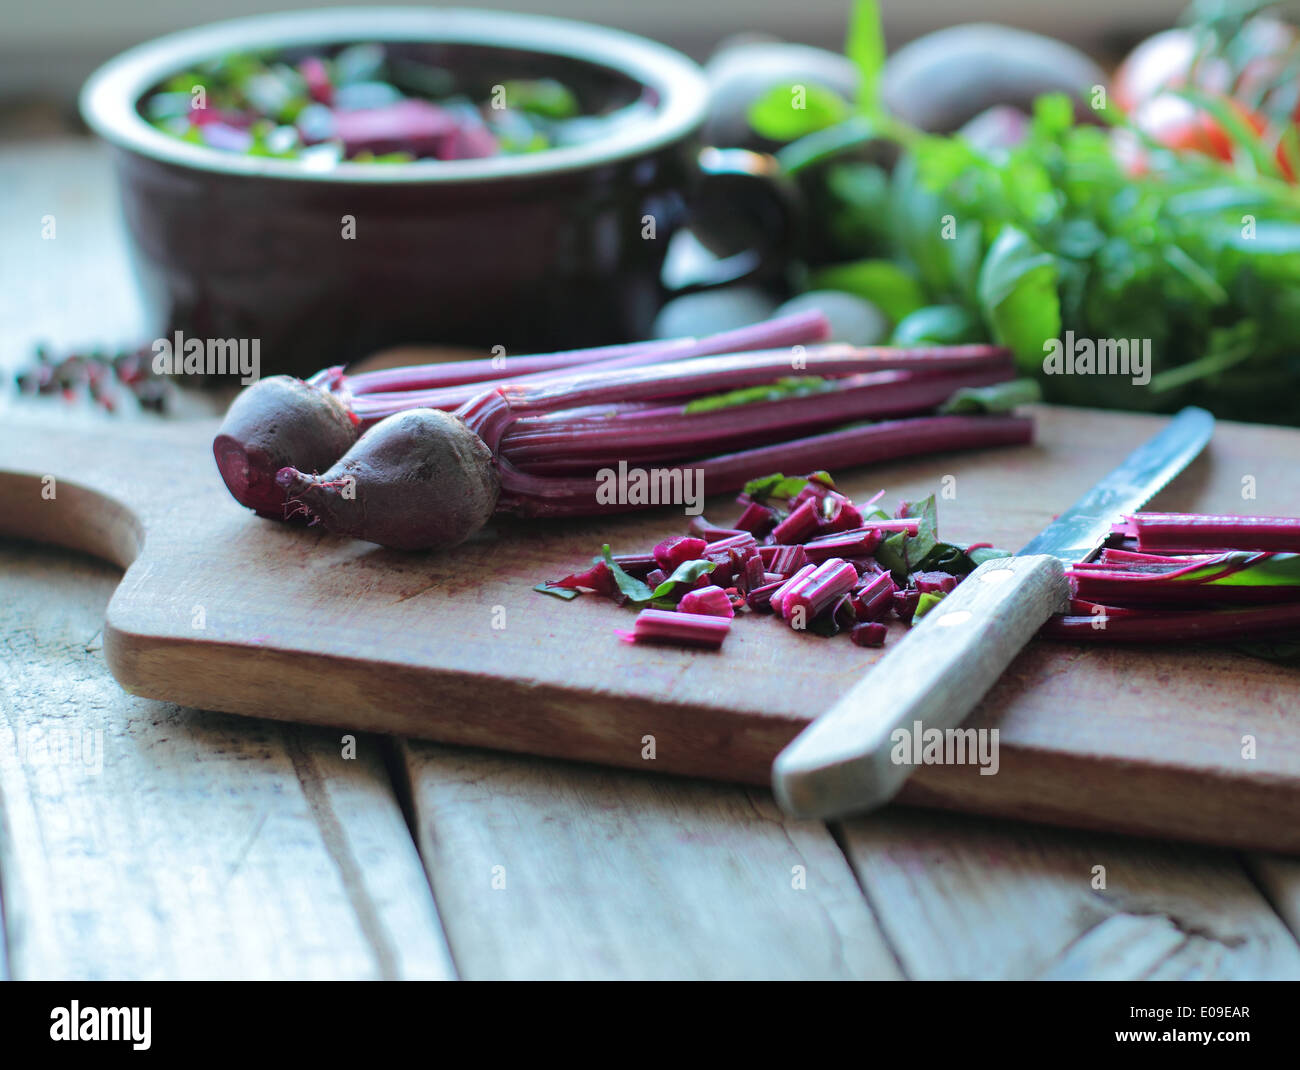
(528,252)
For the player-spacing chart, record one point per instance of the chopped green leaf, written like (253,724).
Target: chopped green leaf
(904,554)
(927,601)
(635,590)
(780,489)
(985,553)
(825,625)
(567,593)
(682,580)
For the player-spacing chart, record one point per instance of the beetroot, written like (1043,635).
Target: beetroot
(276,422)
(415,126)
(419,480)
(282,422)
(638,403)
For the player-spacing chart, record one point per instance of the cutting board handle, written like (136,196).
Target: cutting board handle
(56,502)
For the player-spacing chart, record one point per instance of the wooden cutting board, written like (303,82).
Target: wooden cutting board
(220,610)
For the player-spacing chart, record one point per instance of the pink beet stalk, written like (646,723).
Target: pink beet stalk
(805,327)
(799,525)
(531,495)
(859,542)
(875,596)
(677,550)
(757,519)
(412,378)
(822,589)
(786,560)
(685,629)
(711,601)
(1127,625)
(792,585)
(491,413)
(870,634)
(742,544)
(657,433)
(1194,533)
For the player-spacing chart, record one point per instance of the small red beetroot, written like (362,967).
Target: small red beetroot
(279,421)
(419,480)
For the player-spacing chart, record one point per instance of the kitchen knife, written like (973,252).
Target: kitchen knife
(941,669)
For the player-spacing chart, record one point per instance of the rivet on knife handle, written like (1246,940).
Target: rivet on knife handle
(936,674)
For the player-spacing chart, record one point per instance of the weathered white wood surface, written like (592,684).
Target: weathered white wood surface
(962,897)
(141,840)
(550,870)
(1279,880)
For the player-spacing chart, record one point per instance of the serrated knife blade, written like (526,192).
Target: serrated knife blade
(1078,532)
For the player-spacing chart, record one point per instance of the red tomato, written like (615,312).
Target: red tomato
(1178,124)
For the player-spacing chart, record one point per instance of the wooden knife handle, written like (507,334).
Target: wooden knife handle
(936,674)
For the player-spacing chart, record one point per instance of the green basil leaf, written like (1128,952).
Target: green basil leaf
(1017,290)
(891,288)
(817,148)
(938,325)
(567,593)
(789,112)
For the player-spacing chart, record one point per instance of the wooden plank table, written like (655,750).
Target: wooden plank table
(143,840)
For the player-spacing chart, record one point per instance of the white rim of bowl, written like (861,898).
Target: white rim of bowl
(110,96)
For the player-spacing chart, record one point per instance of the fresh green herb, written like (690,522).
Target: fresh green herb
(938,325)
(786,112)
(866,48)
(567,593)
(635,590)
(927,601)
(1017,290)
(904,554)
(775,491)
(682,580)
(1194,264)
(891,288)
